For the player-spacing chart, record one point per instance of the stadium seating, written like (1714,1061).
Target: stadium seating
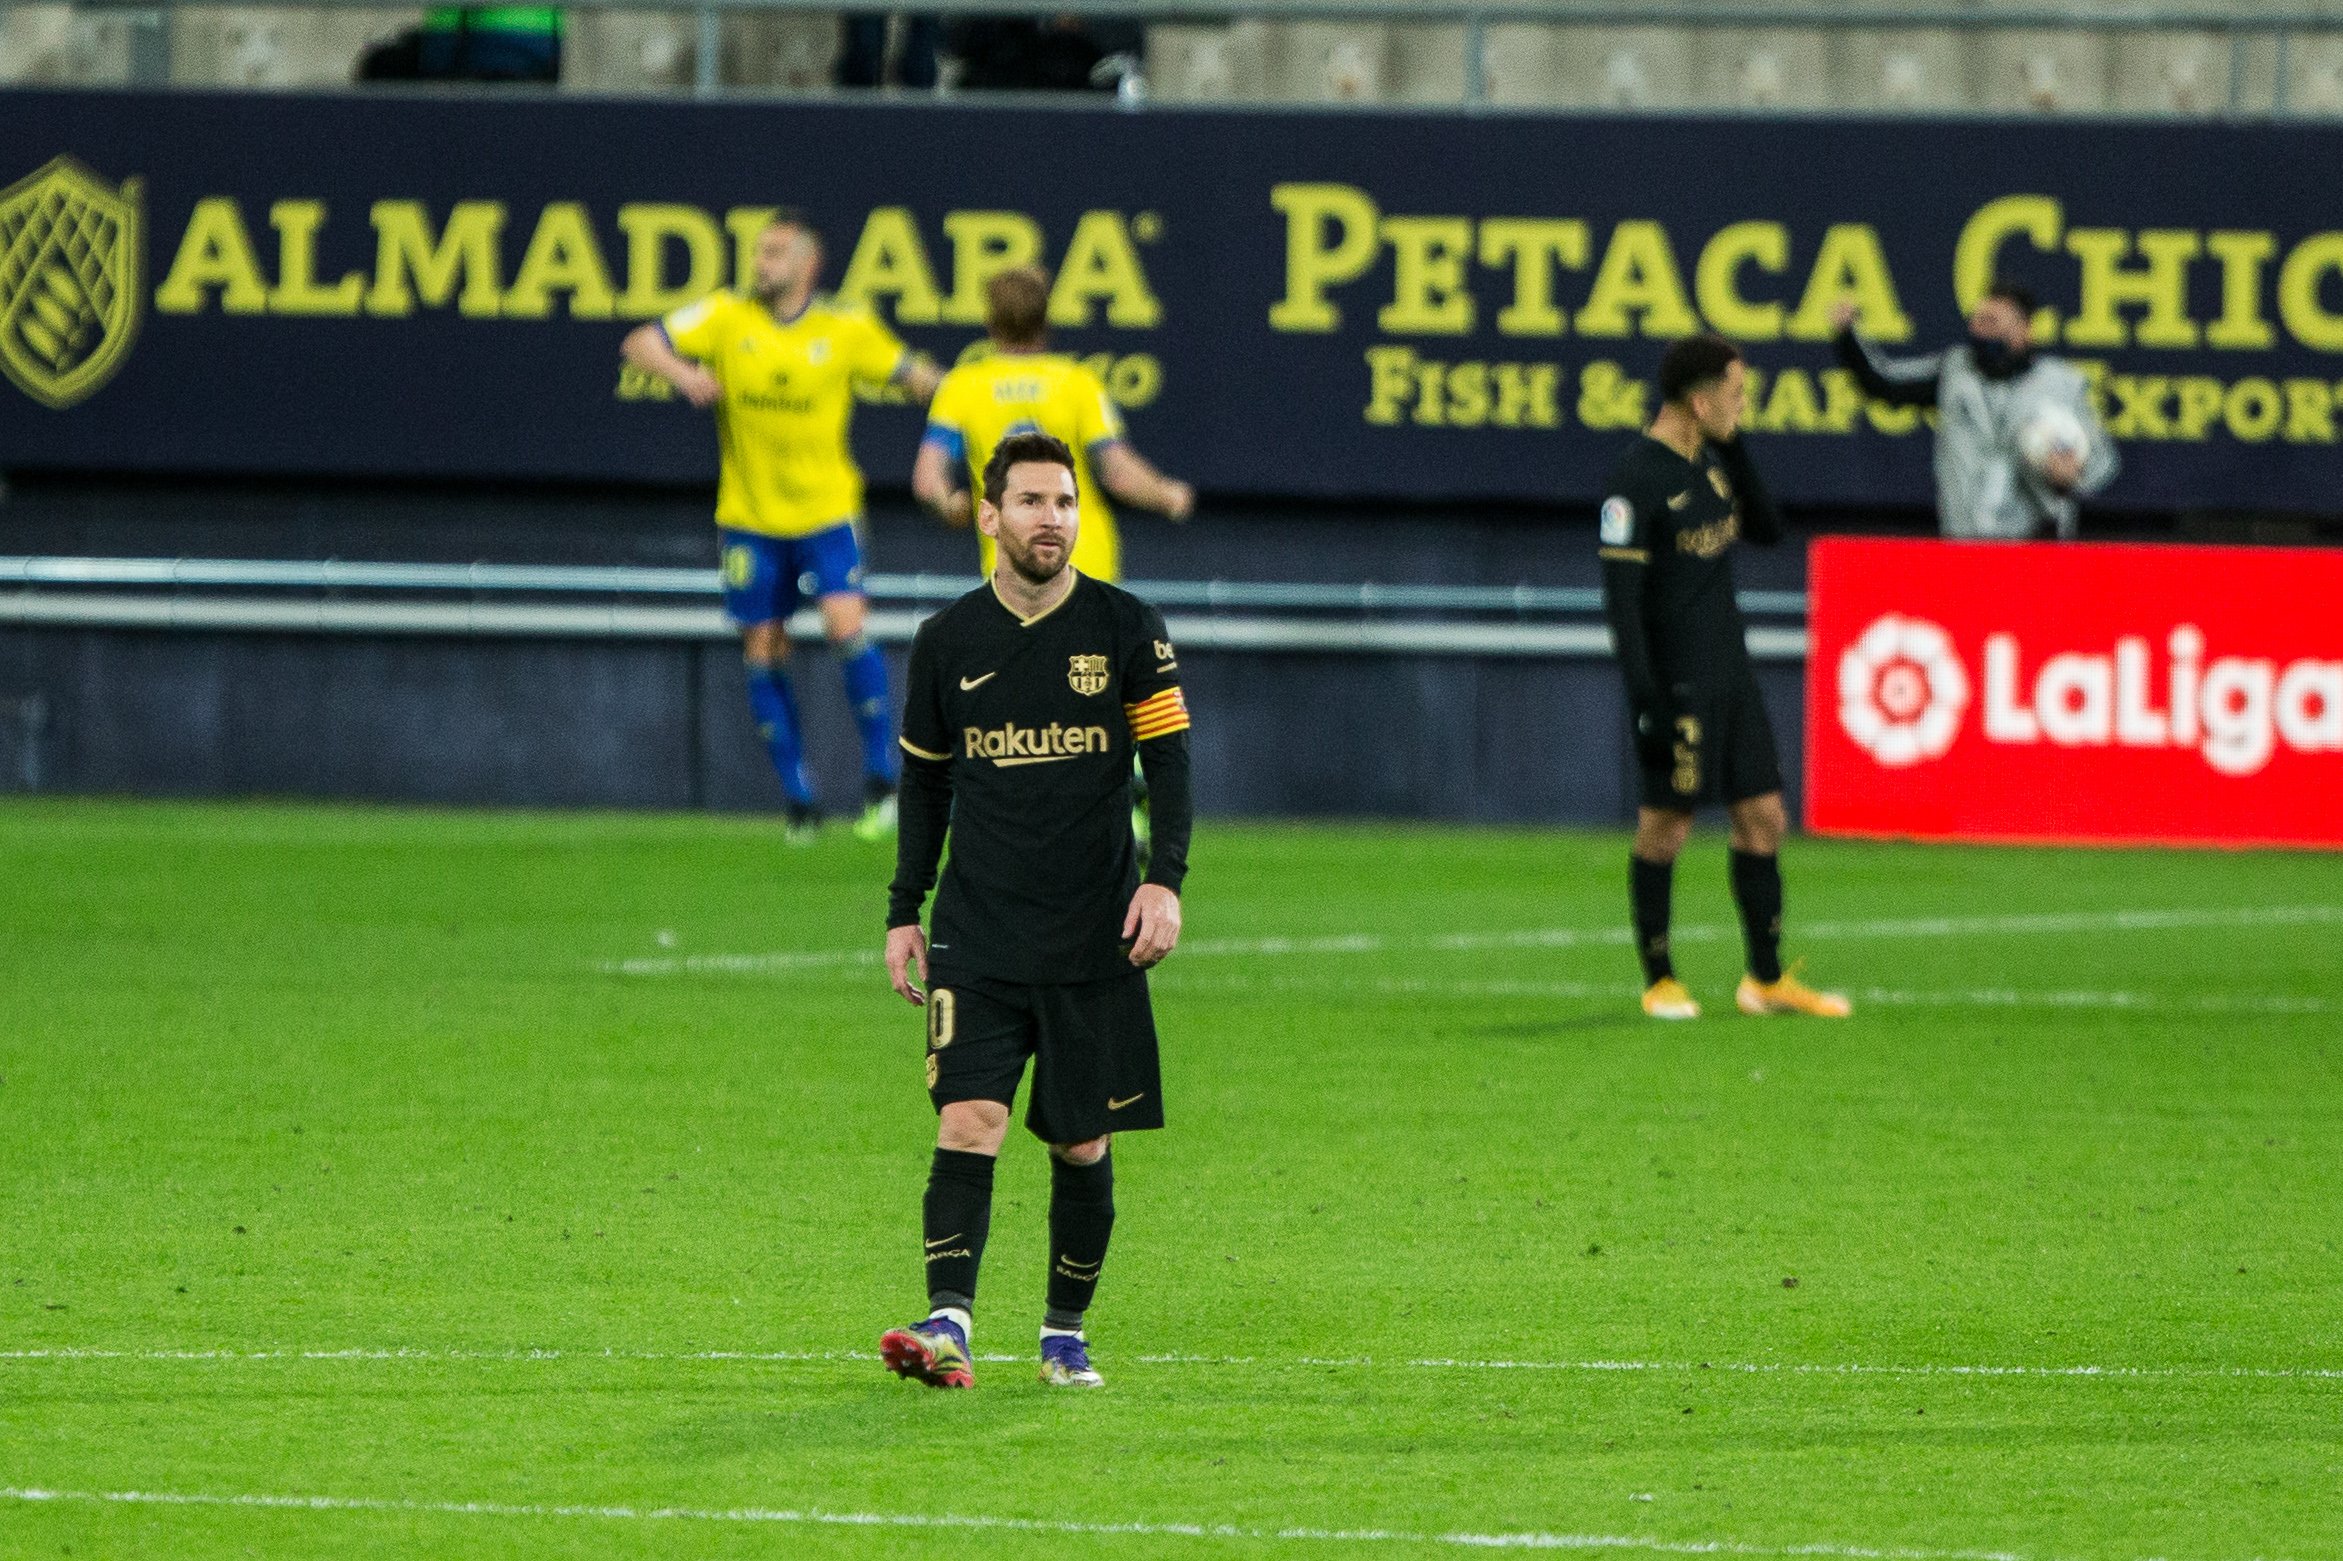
(1858,60)
(56,44)
(1866,67)
(274,47)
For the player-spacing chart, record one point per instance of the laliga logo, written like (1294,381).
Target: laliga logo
(1902,691)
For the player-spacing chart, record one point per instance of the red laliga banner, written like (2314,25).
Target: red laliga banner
(2064,692)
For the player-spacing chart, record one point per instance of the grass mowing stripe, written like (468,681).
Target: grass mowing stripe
(1647,1544)
(2172,920)
(1360,1362)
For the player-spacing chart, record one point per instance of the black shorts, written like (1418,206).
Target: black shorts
(1093,1044)
(1722,748)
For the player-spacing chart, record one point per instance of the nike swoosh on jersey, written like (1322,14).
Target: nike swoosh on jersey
(1117,1105)
(968,683)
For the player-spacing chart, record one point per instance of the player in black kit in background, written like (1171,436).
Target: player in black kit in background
(1024,703)
(1678,500)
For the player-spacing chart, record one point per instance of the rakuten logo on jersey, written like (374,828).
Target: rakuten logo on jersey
(1903,690)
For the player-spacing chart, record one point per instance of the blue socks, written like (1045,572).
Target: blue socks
(774,704)
(865,671)
(775,707)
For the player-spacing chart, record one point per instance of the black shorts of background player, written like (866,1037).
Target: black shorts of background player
(1679,499)
(1024,704)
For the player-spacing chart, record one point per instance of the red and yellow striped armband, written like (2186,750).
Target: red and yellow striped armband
(1159,715)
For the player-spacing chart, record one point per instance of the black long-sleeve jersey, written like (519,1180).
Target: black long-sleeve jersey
(1017,737)
(1666,535)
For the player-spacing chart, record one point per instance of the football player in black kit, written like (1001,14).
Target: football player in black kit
(1678,501)
(1025,701)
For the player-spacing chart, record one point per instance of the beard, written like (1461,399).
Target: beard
(1030,568)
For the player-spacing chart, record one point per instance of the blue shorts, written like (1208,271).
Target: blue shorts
(766,578)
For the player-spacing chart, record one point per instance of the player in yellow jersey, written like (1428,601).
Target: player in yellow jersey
(1020,386)
(780,367)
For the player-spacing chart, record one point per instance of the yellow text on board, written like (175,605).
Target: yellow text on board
(1758,281)
(667,255)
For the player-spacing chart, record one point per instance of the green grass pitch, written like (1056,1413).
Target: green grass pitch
(388,1183)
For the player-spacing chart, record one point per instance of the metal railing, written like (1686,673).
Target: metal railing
(2242,26)
(622,602)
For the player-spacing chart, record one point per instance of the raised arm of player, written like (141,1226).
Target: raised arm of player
(919,377)
(1761,522)
(923,817)
(647,347)
(1125,473)
(936,482)
(1903,382)
(1130,477)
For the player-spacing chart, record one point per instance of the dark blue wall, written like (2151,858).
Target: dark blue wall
(643,724)
(631,724)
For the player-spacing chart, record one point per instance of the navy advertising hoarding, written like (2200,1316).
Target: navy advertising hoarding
(1344,305)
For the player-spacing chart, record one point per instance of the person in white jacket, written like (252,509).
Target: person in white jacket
(2017,439)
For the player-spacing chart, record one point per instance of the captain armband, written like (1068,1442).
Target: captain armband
(1159,715)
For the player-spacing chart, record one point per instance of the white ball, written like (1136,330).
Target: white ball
(2050,431)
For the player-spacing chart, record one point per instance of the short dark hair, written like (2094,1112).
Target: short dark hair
(1016,306)
(792,217)
(1018,449)
(2014,293)
(1693,363)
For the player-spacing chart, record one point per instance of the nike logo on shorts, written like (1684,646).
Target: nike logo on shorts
(1117,1105)
(968,683)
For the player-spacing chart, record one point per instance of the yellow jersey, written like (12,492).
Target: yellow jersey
(787,394)
(986,399)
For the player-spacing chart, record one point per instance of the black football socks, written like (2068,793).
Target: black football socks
(958,1213)
(1081,1218)
(1653,883)
(1757,890)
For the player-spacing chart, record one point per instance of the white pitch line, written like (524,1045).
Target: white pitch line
(740,964)
(1988,997)
(1525,1540)
(1781,1368)
(2000,997)
(1344,1362)
(2037,923)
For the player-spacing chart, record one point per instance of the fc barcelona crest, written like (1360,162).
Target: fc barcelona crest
(1087,674)
(69,281)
